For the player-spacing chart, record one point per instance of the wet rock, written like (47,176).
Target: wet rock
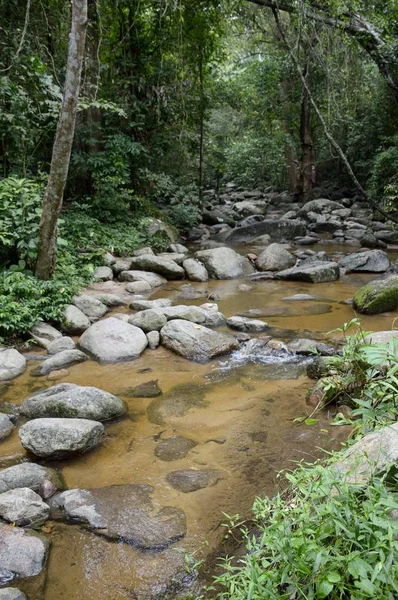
(43,480)
(156,264)
(195,270)
(245,324)
(159,303)
(90,306)
(153,338)
(377,296)
(59,374)
(74,321)
(12,364)
(124,513)
(153,279)
(110,300)
(300,297)
(44,333)
(112,340)
(195,342)
(60,344)
(6,426)
(138,287)
(149,389)
(60,438)
(149,320)
(60,360)
(11,594)
(103,274)
(374,454)
(174,448)
(244,288)
(22,553)
(314,273)
(72,401)
(277,230)
(306,346)
(275,258)
(190,480)
(23,507)
(224,263)
(368,261)
(195,314)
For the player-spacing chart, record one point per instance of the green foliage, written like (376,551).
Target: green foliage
(20,210)
(384,175)
(322,540)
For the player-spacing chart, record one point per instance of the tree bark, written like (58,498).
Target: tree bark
(53,196)
(356,26)
(201,130)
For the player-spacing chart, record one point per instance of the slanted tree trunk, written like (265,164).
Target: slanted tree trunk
(201,130)
(304,181)
(53,196)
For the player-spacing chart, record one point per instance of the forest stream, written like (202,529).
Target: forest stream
(238,412)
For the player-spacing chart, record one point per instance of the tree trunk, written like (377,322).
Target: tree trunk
(201,130)
(304,183)
(52,201)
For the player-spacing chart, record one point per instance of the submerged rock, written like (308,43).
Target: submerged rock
(224,263)
(68,400)
(275,258)
(149,389)
(63,359)
(112,340)
(43,480)
(23,507)
(12,364)
(377,296)
(196,342)
(313,273)
(190,480)
(125,513)
(60,438)
(368,261)
(177,402)
(22,553)
(174,448)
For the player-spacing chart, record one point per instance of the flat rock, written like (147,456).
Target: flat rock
(124,513)
(196,342)
(153,279)
(61,360)
(368,261)
(149,320)
(90,306)
(163,266)
(60,344)
(68,400)
(22,553)
(275,258)
(110,300)
(195,270)
(43,480)
(195,314)
(313,273)
(299,297)
(44,333)
(174,448)
(60,438)
(74,320)
(145,304)
(12,364)
(224,263)
(190,480)
(23,507)
(138,287)
(112,340)
(247,325)
(6,426)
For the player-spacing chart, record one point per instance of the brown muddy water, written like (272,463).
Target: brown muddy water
(239,411)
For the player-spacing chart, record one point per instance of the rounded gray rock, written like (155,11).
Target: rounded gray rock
(11,594)
(149,320)
(6,426)
(112,340)
(23,507)
(90,306)
(12,364)
(60,344)
(43,480)
(195,270)
(22,553)
(74,321)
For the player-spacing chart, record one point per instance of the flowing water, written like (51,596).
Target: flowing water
(239,410)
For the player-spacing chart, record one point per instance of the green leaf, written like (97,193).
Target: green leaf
(323,589)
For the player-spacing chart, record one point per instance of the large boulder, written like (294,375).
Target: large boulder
(43,480)
(247,208)
(195,314)
(12,364)
(377,296)
(23,507)
(372,455)
(368,261)
(149,320)
(6,426)
(113,340)
(284,229)
(195,270)
(90,306)
(166,267)
(196,342)
(275,258)
(318,272)
(224,263)
(153,279)
(61,360)
(157,226)
(124,513)
(60,438)
(44,333)
(22,553)
(74,320)
(319,206)
(73,401)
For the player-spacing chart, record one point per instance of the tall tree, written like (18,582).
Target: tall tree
(53,196)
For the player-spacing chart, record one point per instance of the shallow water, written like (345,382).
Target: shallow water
(239,410)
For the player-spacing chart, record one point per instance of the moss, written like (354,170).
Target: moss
(377,297)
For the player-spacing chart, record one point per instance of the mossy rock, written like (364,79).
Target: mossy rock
(377,296)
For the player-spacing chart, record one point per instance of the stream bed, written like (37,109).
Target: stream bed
(238,411)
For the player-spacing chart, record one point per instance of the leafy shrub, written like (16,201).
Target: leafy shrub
(384,175)
(20,210)
(184,216)
(323,540)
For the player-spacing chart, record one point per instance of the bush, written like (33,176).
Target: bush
(384,175)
